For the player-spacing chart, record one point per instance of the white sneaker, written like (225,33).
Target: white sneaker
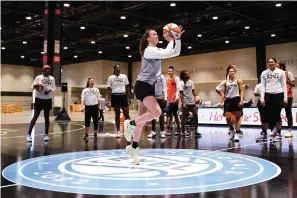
(152,134)
(163,134)
(273,132)
(29,138)
(128,130)
(46,138)
(133,153)
(236,137)
(119,134)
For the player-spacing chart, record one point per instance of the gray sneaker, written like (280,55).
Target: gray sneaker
(128,130)
(133,153)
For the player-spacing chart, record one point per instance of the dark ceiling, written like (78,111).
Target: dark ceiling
(103,25)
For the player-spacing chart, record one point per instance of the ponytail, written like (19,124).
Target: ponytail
(143,42)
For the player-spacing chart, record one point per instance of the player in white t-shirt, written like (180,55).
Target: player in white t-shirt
(118,96)
(187,94)
(273,96)
(44,85)
(90,101)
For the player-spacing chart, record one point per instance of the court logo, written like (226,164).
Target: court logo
(162,171)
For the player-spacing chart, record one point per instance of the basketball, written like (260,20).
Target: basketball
(172,30)
(40,87)
(198,100)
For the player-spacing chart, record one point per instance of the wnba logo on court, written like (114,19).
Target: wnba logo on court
(162,171)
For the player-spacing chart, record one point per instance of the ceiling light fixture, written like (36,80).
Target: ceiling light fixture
(3,48)
(173,4)
(127,47)
(75,56)
(227,42)
(100,52)
(28,18)
(199,35)
(65,47)
(123,17)
(66,5)
(272,35)
(215,18)
(125,35)
(41,52)
(24,42)
(247,27)
(129,56)
(82,27)
(189,47)
(278,5)
(22,56)
(93,42)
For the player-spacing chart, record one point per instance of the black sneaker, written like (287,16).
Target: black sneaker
(262,137)
(240,133)
(95,136)
(197,134)
(86,136)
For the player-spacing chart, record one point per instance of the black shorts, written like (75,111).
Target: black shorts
(273,106)
(171,108)
(232,105)
(119,100)
(45,104)
(143,90)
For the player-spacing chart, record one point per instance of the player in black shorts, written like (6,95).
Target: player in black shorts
(118,96)
(44,85)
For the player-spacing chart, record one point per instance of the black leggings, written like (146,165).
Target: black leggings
(288,109)
(35,117)
(272,108)
(185,115)
(91,111)
(162,104)
(101,115)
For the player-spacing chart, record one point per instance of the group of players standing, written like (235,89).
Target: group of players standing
(159,95)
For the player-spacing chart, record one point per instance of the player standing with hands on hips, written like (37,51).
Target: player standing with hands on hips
(273,96)
(44,85)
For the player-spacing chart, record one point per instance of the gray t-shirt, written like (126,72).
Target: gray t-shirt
(187,92)
(151,61)
(160,88)
(232,89)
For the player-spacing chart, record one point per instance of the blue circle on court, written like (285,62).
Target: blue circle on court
(161,172)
